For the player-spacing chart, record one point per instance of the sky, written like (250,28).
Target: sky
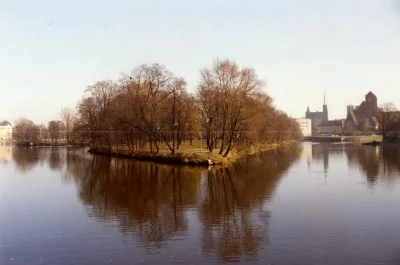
(50,51)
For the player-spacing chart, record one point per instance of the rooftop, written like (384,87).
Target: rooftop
(331,123)
(5,123)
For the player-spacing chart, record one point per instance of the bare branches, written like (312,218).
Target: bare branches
(26,130)
(68,117)
(389,119)
(224,94)
(150,106)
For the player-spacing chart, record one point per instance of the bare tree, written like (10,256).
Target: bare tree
(151,106)
(145,92)
(171,118)
(388,118)
(225,92)
(56,129)
(94,111)
(88,116)
(68,117)
(43,132)
(191,118)
(26,130)
(103,92)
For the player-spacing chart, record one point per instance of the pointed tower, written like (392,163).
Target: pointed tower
(371,100)
(308,112)
(325,110)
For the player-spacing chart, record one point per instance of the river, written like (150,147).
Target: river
(303,204)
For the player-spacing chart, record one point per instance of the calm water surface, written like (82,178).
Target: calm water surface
(306,204)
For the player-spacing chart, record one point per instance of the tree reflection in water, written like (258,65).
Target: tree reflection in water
(151,201)
(375,162)
(232,210)
(225,209)
(26,158)
(146,199)
(56,159)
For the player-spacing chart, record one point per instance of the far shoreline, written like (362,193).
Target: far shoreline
(48,144)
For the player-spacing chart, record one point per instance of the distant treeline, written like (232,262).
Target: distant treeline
(151,106)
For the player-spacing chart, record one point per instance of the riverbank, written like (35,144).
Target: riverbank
(186,157)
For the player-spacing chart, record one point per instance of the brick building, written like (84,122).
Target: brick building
(331,127)
(364,116)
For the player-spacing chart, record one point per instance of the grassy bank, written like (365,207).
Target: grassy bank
(194,154)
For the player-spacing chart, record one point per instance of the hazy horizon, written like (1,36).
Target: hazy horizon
(51,52)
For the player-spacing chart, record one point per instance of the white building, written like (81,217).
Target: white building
(5,131)
(305,126)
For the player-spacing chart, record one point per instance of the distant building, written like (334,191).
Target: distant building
(305,126)
(331,127)
(350,108)
(363,117)
(317,117)
(5,131)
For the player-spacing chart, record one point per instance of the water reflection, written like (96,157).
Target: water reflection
(322,152)
(367,159)
(374,162)
(26,159)
(55,160)
(235,221)
(152,201)
(200,215)
(144,198)
(5,154)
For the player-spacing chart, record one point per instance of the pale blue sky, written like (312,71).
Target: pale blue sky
(50,50)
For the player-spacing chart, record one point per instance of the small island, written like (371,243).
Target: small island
(151,114)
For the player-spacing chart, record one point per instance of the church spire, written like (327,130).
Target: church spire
(325,109)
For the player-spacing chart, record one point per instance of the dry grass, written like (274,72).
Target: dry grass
(195,154)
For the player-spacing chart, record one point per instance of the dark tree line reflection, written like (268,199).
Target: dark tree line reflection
(152,201)
(232,211)
(156,203)
(146,199)
(26,158)
(376,163)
